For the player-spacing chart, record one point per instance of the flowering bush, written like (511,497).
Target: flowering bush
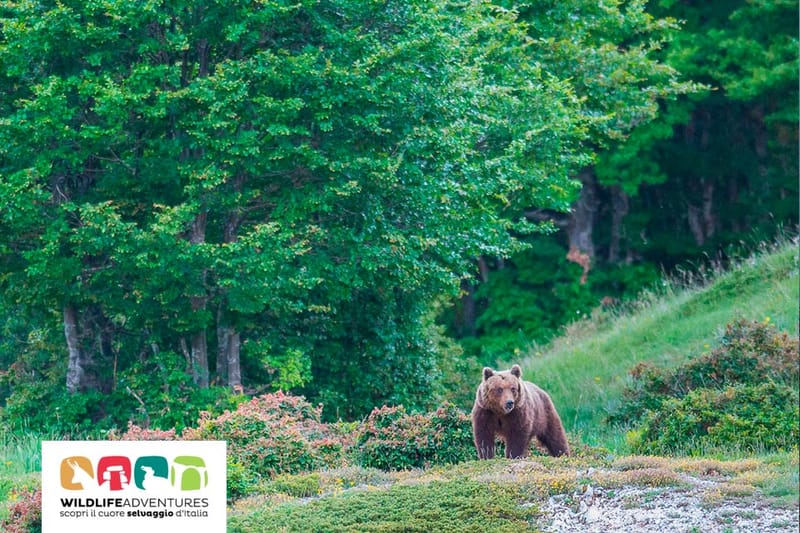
(393,439)
(269,435)
(278,434)
(135,432)
(25,514)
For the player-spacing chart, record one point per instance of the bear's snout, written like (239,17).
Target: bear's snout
(509,406)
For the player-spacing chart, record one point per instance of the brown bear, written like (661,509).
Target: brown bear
(516,411)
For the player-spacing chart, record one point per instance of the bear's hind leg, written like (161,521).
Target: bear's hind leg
(555,440)
(517,445)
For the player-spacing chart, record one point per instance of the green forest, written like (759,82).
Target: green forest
(361,202)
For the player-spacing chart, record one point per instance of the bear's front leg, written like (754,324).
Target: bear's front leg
(483,431)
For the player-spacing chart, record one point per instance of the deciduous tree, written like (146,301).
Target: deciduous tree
(293,181)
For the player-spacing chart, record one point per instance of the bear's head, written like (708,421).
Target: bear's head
(502,391)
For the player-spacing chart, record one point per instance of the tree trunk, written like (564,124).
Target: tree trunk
(228,356)
(702,221)
(700,212)
(229,368)
(234,362)
(199,343)
(223,339)
(229,349)
(581,224)
(709,220)
(200,359)
(76,371)
(103,356)
(733,198)
(466,312)
(619,208)
(483,269)
(695,224)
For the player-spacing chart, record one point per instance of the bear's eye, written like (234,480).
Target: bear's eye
(498,390)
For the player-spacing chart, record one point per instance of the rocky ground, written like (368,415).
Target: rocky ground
(699,505)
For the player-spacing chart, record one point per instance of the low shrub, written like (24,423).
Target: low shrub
(741,394)
(270,435)
(749,352)
(753,418)
(452,506)
(338,479)
(135,432)
(239,479)
(297,485)
(25,514)
(393,439)
(277,434)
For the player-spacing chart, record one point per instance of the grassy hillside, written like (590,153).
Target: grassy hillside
(586,369)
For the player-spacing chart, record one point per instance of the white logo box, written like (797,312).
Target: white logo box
(133,486)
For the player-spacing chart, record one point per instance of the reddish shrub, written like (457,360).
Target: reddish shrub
(25,515)
(392,439)
(135,432)
(273,434)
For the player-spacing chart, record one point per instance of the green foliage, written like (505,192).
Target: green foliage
(298,485)
(176,175)
(20,451)
(732,146)
(156,393)
(239,481)
(674,180)
(74,415)
(741,417)
(461,505)
(749,353)
(390,360)
(394,439)
(743,394)
(169,401)
(537,292)
(609,55)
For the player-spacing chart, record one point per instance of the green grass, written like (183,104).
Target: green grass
(20,453)
(20,464)
(586,369)
(782,486)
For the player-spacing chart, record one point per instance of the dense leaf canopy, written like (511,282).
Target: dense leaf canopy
(292,182)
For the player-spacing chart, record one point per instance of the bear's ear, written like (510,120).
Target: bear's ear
(487,373)
(516,371)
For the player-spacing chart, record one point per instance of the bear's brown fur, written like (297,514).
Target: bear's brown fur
(516,411)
